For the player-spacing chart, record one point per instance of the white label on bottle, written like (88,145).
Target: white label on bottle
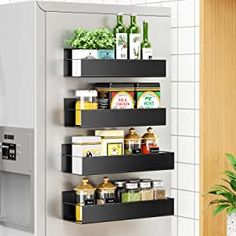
(121,46)
(134,46)
(147,53)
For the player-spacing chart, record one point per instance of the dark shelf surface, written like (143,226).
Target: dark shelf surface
(115,211)
(113,68)
(118,164)
(113,118)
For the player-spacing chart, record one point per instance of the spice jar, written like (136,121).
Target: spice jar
(146,190)
(159,191)
(132,143)
(105,192)
(85,100)
(85,193)
(149,142)
(120,184)
(132,193)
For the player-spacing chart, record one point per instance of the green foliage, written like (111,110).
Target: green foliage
(92,39)
(226,194)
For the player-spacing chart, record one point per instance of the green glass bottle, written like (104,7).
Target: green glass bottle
(146,45)
(120,33)
(134,39)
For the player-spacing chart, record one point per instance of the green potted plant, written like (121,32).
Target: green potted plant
(105,43)
(226,196)
(83,44)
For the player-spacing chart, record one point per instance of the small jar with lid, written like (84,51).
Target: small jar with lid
(149,142)
(85,193)
(132,142)
(120,184)
(106,192)
(85,100)
(146,190)
(159,191)
(132,193)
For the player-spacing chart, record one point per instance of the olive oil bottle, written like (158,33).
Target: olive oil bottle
(146,45)
(120,33)
(134,39)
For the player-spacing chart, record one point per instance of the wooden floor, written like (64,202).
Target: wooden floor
(218,100)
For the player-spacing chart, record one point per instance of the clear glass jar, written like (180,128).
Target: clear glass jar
(132,143)
(131,193)
(85,193)
(106,192)
(146,190)
(149,142)
(120,184)
(159,191)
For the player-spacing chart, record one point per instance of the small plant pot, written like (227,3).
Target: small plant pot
(84,54)
(231,224)
(106,54)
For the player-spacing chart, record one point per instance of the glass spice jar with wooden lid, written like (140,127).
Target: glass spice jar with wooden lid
(132,143)
(159,191)
(106,192)
(149,142)
(146,191)
(85,193)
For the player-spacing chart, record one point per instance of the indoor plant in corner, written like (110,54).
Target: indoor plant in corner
(226,196)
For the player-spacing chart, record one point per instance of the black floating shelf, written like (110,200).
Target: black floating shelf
(117,164)
(112,68)
(115,211)
(113,118)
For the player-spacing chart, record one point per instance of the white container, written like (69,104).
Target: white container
(77,55)
(82,147)
(231,225)
(112,142)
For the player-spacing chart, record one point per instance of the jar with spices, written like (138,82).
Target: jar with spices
(115,95)
(85,100)
(159,191)
(146,190)
(112,142)
(132,143)
(85,193)
(105,192)
(131,194)
(120,184)
(149,142)
(147,95)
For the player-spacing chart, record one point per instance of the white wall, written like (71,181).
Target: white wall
(185,107)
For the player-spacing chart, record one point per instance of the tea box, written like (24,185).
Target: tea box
(112,142)
(84,146)
(115,96)
(147,95)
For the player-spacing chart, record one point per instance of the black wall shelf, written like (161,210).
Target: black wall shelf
(116,211)
(113,68)
(117,164)
(113,118)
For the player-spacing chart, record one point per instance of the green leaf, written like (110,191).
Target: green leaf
(231,210)
(218,209)
(232,160)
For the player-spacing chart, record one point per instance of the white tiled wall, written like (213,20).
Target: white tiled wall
(185,107)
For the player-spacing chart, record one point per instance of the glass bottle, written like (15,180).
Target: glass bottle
(131,194)
(146,45)
(120,184)
(149,142)
(146,190)
(134,39)
(159,191)
(120,33)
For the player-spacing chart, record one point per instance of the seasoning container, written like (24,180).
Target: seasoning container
(159,191)
(106,192)
(146,191)
(120,184)
(147,95)
(132,143)
(131,193)
(84,146)
(85,193)
(149,142)
(85,100)
(112,142)
(115,95)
